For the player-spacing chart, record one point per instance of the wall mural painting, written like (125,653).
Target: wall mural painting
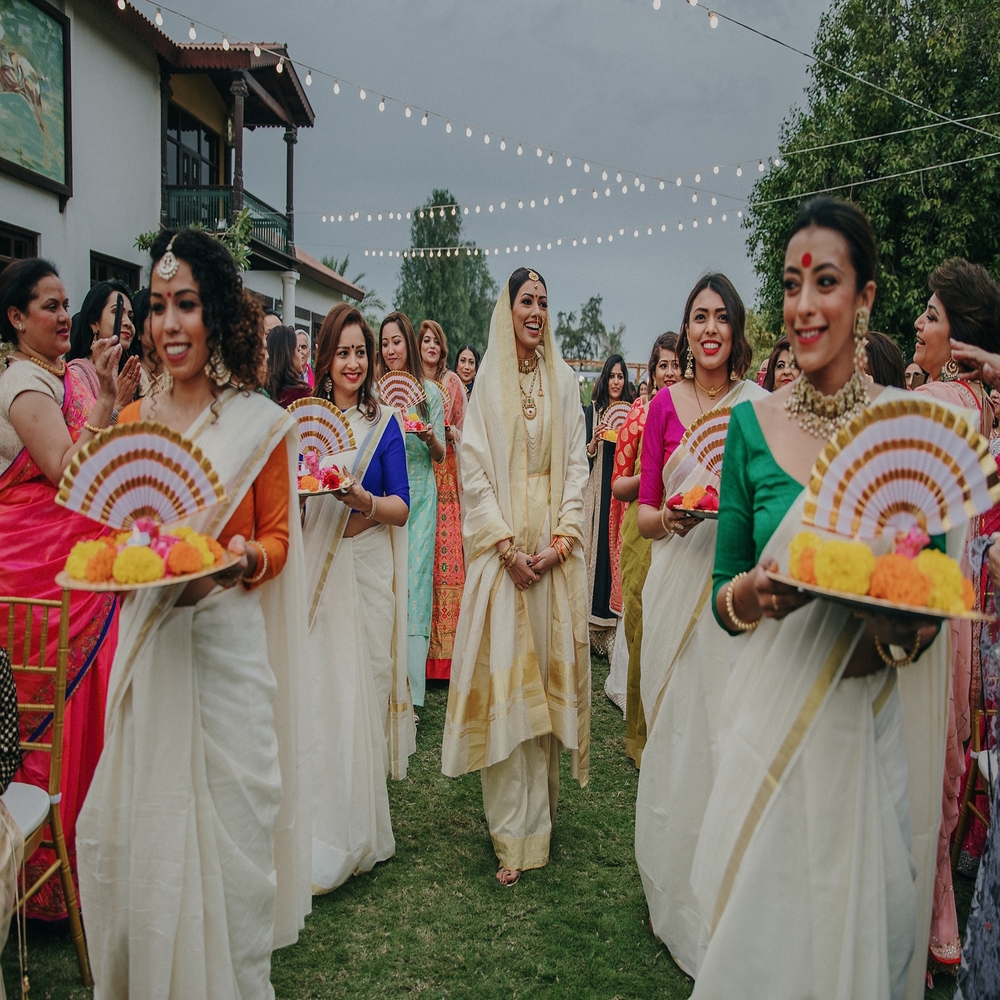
(35,95)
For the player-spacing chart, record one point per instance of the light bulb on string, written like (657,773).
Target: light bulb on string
(739,171)
(714,202)
(423,121)
(336,90)
(713,19)
(381,104)
(560,199)
(777,161)
(477,209)
(551,158)
(624,189)
(569,161)
(520,150)
(486,138)
(760,166)
(453,210)
(468,132)
(586,167)
(662,185)
(491,207)
(447,126)
(192,34)
(573,191)
(695,224)
(739,214)
(520,203)
(121,4)
(595,192)
(656,4)
(545,200)
(256,52)
(503,144)
(532,204)
(225,45)
(715,170)
(604,175)
(362,93)
(710,220)
(618,178)
(159,18)
(678,182)
(697,178)
(642,186)
(280,68)
(407,111)
(538,151)
(694,197)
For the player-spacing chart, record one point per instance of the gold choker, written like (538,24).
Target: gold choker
(58,372)
(525,366)
(822,416)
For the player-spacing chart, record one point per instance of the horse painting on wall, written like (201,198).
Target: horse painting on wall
(34,94)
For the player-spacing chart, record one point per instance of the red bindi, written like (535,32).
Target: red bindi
(169,293)
(807,259)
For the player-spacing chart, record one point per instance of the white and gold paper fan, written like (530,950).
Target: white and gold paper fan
(323,428)
(142,469)
(443,390)
(901,463)
(401,390)
(705,439)
(615,416)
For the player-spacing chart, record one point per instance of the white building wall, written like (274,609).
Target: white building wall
(116,154)
(308,294)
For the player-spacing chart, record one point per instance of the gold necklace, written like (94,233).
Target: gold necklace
(525,366)
(822,416)
(58,372)
(528,406)
(711,393)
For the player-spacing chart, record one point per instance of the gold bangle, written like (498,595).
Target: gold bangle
(889,660)
(663,523)
(371,516)
(738,622)
(261,564)
(90,427)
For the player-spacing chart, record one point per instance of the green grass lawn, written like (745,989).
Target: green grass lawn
(433,922)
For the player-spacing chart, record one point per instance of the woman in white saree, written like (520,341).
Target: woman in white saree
(814,867)
(684,653)
(520,680)
(362,724)
(193,842)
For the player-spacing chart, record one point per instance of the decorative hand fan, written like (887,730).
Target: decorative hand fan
(143,469)
(401,390)
(616,415)
(900,464)
(705,439)
(323,429)
(444,391)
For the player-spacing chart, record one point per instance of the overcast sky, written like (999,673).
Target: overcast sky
(613,81)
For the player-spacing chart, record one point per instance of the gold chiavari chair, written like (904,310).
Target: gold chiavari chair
(34,809)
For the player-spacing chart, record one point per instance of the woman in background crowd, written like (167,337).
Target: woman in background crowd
(195,802)
(964,306)
(362,720)
(449,564)
(96,321)
(520,683)
(611,386)
(284,368)
(629,549)
(46,414)
(466,365)
(424,449)
(151,367)
(781,367)
(915,375)
(884,363)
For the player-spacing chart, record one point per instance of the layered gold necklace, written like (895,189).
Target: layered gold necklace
(525,367)
(822,416)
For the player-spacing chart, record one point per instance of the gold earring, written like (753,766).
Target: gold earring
(216,369)
(950,370)
(689,371)
(861,318)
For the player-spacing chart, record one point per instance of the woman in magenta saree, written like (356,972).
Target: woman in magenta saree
(36,536)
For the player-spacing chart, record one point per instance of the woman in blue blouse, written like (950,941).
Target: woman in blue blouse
(362,725)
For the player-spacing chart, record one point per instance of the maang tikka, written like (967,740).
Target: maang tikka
(168,265)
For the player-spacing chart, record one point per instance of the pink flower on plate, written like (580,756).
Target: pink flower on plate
(912,543)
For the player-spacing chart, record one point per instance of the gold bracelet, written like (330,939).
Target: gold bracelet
(738,622)
(890,661)
(371,516)
(663,523)
(90,427)
(508,556)
(261,565)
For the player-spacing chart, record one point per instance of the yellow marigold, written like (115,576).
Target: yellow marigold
(79,556)
(900,580)
(138,564)
(947,590)
(183,558)
(803,540)
(198,541)
(218,552)
(100,564)
(844,566)
(692,497)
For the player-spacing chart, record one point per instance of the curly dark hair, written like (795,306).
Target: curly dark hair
(337,318)
(232,316)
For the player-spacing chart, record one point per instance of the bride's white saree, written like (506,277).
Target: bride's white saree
(684,672)
(194,840)
(362,714)
(804,874)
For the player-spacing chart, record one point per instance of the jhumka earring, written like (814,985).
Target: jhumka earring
(861,318)
(689,370)
(216,369)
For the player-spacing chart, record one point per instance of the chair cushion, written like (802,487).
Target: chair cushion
(986,770)
(28,805)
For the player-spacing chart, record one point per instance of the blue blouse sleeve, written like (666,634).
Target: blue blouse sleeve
(386,473)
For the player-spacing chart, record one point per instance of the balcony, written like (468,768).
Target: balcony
(212,208)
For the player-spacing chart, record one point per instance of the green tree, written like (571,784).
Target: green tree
(939,54)
(588,339)
(371,306)
(762,340)
(453,286)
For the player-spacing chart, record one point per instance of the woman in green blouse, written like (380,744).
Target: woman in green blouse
(803,868)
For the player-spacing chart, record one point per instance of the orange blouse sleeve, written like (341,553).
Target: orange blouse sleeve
(262,514)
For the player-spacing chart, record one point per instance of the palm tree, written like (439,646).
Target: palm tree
(371,306)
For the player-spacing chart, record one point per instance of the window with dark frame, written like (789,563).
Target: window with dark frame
(192,150)
(104,268)
(16,244)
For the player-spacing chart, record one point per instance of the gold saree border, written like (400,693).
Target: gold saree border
(776,770)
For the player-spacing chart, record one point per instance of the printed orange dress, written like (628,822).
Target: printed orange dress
(449,562)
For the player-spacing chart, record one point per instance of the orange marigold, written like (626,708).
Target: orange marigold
(100,564)
(218,552)
(310,483)
(183,558)
(968,594)
(900,580)
(806,566)
(692,497)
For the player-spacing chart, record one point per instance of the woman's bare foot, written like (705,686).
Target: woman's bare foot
(507,877)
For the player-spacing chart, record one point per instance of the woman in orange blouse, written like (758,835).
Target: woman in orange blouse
(193,860)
